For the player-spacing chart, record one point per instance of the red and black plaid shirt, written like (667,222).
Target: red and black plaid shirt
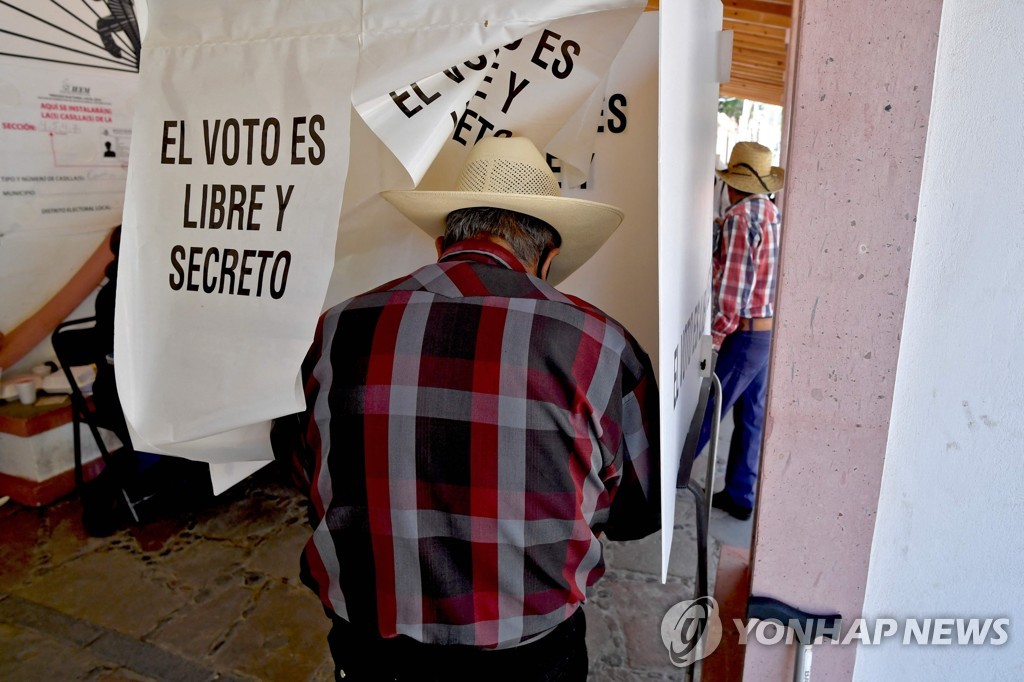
(746,251)
(472,431)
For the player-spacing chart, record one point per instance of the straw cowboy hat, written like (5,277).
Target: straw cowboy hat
(511,173)
(751,170)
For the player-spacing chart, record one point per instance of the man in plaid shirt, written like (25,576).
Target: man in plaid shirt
(745,254)
(471,433)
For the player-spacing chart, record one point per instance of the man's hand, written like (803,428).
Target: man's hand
(287,443)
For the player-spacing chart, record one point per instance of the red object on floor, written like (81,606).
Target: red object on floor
(732,589)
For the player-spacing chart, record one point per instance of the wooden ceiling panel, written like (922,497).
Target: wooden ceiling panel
(754,29)
(761,77)
(741,82)
(770,94)
(760,43)
(782,9)
(752,92)
(749,55)
(757,18)
(742,42)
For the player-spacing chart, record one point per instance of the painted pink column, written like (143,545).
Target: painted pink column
(861,98)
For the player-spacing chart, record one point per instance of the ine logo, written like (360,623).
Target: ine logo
(691,631)
(69,88)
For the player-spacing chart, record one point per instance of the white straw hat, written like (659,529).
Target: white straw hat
(751,170)
(511,173)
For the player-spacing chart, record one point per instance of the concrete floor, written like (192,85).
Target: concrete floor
(213,594)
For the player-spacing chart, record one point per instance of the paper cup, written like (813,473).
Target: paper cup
(26,391)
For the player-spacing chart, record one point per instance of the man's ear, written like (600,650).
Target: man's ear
(439,243)
(545,262)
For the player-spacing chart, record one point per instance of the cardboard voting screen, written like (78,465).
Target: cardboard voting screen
(686,153)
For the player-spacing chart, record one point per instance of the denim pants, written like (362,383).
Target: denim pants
(559,656)
(742,368)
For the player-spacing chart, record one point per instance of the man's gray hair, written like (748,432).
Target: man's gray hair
(528,236)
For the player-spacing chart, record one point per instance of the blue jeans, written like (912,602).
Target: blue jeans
(742,368)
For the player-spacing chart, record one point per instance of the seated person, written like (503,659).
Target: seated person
(104,389)
(142,475)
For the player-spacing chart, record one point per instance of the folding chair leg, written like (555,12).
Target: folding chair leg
(109,461)
(79,475)
(128,503)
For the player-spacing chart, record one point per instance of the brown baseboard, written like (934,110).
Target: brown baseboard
(39,493)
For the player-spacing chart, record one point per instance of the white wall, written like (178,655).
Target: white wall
(949,541)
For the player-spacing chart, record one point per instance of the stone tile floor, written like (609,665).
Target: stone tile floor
(213,594)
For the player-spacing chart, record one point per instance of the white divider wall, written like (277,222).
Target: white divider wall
(686,163)
(949,542)
(621,278)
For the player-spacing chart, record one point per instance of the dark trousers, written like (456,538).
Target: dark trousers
(742,368)
(559,656)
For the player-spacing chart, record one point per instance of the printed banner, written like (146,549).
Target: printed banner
(547,85)
(525,88)
(235,195)
(234,192)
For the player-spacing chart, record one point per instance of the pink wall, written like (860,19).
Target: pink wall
(861,98)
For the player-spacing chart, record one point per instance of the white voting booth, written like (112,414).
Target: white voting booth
(263,133)
(309,111)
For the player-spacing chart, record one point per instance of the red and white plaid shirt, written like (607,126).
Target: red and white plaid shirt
(473,431)
(746,250)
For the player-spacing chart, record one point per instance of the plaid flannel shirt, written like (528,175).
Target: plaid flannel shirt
(473,431)
(746,250)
